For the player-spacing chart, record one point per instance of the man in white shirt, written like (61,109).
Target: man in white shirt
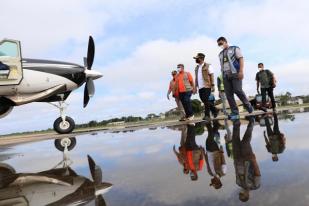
(204,81)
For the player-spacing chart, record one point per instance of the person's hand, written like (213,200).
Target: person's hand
(240,75)
(194,90)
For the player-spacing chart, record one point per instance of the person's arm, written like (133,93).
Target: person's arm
(240,58)
(192,82)
(169,91)
(241,68)
(212,81)
(274,80)
(257,83)
(218,83)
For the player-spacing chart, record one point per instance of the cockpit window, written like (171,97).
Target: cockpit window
(8,48)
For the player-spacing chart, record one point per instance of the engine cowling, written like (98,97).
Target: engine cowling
(5,109)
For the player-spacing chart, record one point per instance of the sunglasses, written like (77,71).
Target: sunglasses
(220,43)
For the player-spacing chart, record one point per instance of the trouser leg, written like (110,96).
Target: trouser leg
(237,86)
(180,107)
(263,93)
(204,96)
(188,100)
(229,91)
(183,102)
(270,92)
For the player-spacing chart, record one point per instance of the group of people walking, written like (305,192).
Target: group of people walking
(182,86)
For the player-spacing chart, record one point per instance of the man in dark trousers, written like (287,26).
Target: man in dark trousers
(246,167)
(204,81)
(267,80)
(214,156)
(275,142)
(232,67)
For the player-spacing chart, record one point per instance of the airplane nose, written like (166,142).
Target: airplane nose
(93,74)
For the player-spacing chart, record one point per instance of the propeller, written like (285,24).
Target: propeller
(100,187)
(99,201)
(95,170)
(89,74)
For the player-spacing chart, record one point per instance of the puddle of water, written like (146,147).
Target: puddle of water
(144,169)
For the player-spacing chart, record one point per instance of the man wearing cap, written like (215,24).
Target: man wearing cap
(172,89)
(232,67)
(185,87)
(204,81)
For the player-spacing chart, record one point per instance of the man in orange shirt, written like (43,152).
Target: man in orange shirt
(172,89)
(185,87)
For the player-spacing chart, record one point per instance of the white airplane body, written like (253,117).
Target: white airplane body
(23,81)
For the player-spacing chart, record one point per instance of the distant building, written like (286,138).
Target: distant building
(116,123)
(296,100)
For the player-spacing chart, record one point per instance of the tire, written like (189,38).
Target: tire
(65,128)
(60,143)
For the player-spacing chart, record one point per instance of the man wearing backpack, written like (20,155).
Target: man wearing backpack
(232,67)
(267,80)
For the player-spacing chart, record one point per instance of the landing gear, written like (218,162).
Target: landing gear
(64,124)
(65,143)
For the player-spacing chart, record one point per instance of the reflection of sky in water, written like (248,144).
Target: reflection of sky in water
(144,170)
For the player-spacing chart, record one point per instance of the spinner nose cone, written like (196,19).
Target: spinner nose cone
(93,74)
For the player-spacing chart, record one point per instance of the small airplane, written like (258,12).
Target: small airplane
(24,81)
(58,186)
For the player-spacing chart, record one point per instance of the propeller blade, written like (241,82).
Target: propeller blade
(85,62)
(99,201)
(90,87)
(86,95)
(90,53)
(95,171)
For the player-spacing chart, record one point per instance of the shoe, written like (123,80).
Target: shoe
(190,118)
(250,109)
(215,114)
(264,109)
(182,119)
(206,118)
(233,116)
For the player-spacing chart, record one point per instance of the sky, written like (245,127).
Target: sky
(138,44)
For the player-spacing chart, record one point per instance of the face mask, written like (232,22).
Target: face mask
(260,68)
(222,47)
(179,70)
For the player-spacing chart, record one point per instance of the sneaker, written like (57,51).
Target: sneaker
(264,109)
(182,119)
(190,118)
(234,116)
(206,118)
(215,114)
(250,109)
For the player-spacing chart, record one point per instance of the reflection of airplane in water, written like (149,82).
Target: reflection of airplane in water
(57,186)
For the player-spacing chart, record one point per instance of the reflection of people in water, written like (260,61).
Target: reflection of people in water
(190,155)
(275,142)
(214,155)
(246,168)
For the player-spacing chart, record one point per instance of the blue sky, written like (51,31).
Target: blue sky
(138,43)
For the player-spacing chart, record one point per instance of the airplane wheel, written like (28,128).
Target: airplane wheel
(60,143)
(64,127)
